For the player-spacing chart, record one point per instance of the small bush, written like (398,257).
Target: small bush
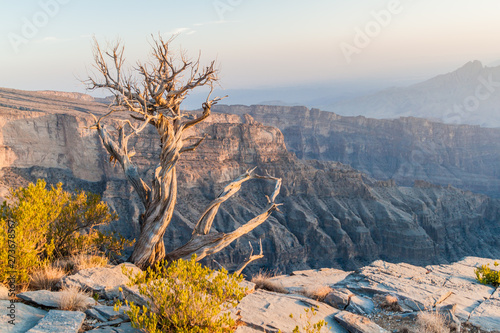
(46,277)
(262,281)
(310,327)
(185,297)
(486,275)
(387,302)
(431,322)
(73,299)
(39,225)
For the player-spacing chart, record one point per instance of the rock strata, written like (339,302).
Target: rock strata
(401,150)
(332,215)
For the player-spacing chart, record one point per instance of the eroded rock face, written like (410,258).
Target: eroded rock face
(332,215)
(403,150)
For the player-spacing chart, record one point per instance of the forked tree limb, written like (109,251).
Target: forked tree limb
(204,245)
(252,257)
(204,223)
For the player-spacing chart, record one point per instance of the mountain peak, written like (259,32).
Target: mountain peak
(471,67)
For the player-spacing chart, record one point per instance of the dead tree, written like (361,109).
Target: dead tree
(153,97)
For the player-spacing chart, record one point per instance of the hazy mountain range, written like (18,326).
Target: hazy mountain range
(469,95)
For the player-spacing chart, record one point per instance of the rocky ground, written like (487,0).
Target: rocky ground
(380,297)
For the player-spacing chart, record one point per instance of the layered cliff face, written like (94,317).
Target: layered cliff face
(405,149)
(332,215)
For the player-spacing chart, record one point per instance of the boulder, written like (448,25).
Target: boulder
(360,305)
(57,321)
(357,324)
(338,298)
(102,280)
(26,317)
(95,314)
(50,299)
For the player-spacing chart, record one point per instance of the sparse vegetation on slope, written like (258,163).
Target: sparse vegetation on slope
(39,226)
(486,275)
(263,280)
(185,297)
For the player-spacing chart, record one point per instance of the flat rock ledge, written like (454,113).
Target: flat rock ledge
(58,321)
(358,302)
(50,299)
(358,324)
(26,317)
(102,280)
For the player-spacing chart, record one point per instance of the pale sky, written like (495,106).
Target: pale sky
(46,44)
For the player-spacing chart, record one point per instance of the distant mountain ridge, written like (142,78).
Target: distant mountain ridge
(468,95)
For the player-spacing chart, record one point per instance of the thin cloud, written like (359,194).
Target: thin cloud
(178,31)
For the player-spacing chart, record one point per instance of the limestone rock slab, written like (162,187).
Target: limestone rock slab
(358,324)
(487,315)
(57,321)
(310,279)
(50,299)
(26,317)
(270,312)
(100,279)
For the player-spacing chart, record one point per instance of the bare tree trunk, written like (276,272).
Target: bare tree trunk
(149,247)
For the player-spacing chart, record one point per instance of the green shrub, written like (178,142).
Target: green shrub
(486,275)
(185,297)
(39,225)
(310,327)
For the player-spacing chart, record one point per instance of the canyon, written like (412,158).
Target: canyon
(332,214)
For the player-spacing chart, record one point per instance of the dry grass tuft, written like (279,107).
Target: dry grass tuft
(262,281)
(317,293)
(73,299)
(431,322)
(46,278)
(387,302)
(78,262)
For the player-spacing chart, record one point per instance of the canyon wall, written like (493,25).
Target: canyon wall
(332,214)
(404,150)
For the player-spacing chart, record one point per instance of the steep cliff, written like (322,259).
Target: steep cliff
(405,149)
(332,215)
